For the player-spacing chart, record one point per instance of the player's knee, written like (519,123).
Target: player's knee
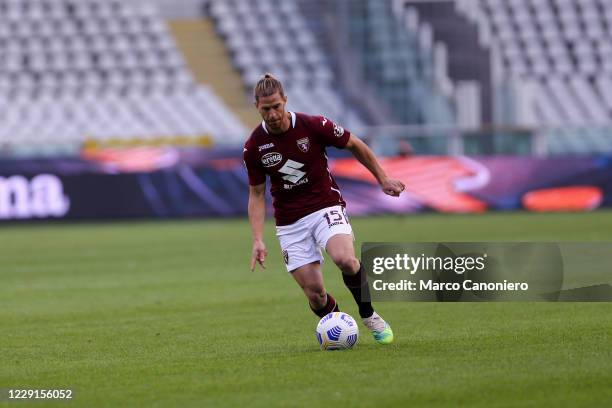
(315,293)
(347,262)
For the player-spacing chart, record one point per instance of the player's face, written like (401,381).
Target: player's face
(272,110)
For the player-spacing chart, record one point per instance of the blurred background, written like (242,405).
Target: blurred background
(134,108)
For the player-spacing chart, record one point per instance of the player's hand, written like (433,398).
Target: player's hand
(259,255)
(392,187)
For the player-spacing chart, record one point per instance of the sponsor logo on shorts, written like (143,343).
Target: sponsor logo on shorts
(266,146)
(271,159)
(303,144)
(286,256)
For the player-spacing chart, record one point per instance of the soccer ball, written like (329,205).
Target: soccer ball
(337,331)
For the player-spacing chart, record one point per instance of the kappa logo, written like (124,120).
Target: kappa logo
(338,130)
(303,144)
(266,146)
(271,159)
(286,256)
(292,171)
(324,121)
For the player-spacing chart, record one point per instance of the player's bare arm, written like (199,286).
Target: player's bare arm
(366,156)
(257,216)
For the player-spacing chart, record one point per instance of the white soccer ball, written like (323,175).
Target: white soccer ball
(337,331)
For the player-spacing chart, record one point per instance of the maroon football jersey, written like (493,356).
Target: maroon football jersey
(296,163)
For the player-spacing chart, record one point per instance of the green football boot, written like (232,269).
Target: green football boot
(380,329)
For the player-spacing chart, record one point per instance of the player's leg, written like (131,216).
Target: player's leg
(303,260)
(334,233)
(310,279)
(341,250)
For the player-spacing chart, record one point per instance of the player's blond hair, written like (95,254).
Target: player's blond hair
(268,85)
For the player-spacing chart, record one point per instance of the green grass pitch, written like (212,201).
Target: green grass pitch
(163,314)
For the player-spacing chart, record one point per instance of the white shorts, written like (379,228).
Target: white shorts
(302,241)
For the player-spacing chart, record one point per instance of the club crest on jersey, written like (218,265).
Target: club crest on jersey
(271,159)
(303,144)
(338,130)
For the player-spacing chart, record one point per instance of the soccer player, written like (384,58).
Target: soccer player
(309,209)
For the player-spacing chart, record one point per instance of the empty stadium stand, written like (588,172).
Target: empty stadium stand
(556,56)
(551,63)
(465,59)
(82,70)
(398,62)
(74,72)
(209,61)
(273,36)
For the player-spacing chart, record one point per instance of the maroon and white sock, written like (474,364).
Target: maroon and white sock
(330,306)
